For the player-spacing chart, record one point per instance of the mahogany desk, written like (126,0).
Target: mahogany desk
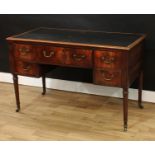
(115,58)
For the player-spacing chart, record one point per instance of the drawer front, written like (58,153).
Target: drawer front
(51,55)
(78,58)
(108,78)
(106,59)
(28,69)
(25,52)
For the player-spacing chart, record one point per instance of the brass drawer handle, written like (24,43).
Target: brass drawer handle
(26,67)
(79,57)
(24,51)
(48,55)
(107,60)
(107,78)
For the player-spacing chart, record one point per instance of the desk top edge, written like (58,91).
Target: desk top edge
(18,39)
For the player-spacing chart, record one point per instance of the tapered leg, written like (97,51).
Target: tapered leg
(125,108)
(44,84)
(16,88)
(140,81)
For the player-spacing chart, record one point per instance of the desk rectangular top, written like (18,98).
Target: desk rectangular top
(80,37)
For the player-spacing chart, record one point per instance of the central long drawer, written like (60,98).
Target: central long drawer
(74,57)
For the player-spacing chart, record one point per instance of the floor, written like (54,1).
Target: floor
(61,115)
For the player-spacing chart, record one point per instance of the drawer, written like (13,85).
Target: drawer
(107,78)
(51,55)
(28,69)
(25,52)
(108,59)
(78,58)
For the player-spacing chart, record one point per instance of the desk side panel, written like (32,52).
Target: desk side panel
(11,58)
(135,62)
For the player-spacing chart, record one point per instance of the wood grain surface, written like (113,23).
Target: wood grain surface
(63,115)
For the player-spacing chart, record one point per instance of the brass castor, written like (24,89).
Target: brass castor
(141,107)
(17,110)
(125,128)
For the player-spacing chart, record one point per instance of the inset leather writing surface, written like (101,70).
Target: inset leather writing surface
(81,36)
